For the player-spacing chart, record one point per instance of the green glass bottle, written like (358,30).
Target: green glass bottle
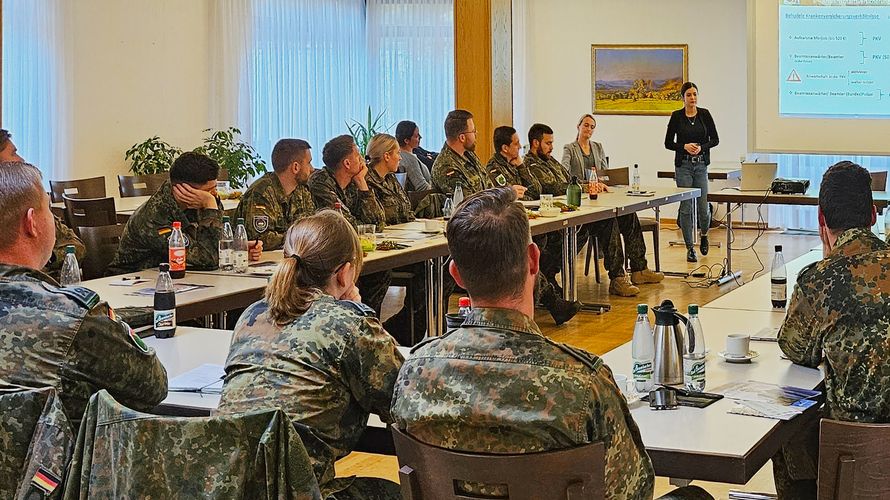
(573,193)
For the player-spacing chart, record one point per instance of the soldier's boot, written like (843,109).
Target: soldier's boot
(621,287)
(645,276)
(560,309)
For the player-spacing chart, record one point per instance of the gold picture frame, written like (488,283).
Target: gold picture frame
(640,79)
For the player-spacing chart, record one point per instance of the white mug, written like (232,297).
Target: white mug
(737,344)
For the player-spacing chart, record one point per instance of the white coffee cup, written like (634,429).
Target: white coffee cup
(432,225)
(621,382)
(738,344)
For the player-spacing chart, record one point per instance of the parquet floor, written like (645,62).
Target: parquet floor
(601,333)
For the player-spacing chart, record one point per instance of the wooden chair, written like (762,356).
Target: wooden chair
(854,461)
(140,185)
(94,187)
(101,243)
(89,212)
(432,472)
(879,181)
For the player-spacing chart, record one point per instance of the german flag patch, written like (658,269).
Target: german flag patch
(45,480)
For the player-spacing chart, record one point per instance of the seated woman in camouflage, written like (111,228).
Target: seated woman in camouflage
(313,349)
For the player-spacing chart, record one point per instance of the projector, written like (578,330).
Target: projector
(790,186)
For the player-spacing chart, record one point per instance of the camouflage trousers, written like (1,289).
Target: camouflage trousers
(399,325)
(795,465)
(373,287)
(363,488)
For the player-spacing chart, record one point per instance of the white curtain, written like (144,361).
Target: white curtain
(811,167)
(411,63)
(34,74)
(522,81)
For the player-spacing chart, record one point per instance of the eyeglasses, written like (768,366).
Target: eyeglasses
(469,132)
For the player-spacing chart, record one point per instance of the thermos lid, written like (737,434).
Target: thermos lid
(642,309)
(164,267)
(693,309)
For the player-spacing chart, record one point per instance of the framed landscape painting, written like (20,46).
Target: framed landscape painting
(638,79)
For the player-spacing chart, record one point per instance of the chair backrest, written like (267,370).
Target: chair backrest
(853,460)
(101,243)
(879,181)
(223,174)
(140,185)
(618,176)
(428,472)
(94,187)
(89,212)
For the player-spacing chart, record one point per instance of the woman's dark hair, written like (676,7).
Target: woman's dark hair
(404,130)
(686,86)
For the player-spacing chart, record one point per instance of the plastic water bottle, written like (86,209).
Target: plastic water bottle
(573,193)
(592,184)
(447,208)
(458,195)
(164,304)
(70,274)
(464,307)
(635,183)
(779,280)
(643,351)
(240,247)
(226,246)
(176,251)
(694,357)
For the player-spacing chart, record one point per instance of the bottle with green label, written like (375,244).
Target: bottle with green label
(573,193)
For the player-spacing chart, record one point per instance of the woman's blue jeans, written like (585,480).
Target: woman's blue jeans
(693,175)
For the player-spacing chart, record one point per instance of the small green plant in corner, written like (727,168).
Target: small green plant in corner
(151,156)
(363,132)
(241,161)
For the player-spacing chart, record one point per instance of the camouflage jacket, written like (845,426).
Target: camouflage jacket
(64,236)
(37,438)
(841,307)
(359,207)
(509,389)
(503,174)
(392,197)
(328,370)
(65,337)
(550,173)
(144,242)
(450,168)
(123,453)
(268,212)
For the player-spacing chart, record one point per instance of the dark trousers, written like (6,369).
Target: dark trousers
(609,234)
(373,287)
(399,325)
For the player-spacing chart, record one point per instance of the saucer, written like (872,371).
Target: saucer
(549,213)
(729,358)
(431,231)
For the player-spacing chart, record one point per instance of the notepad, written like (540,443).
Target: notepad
(206,379)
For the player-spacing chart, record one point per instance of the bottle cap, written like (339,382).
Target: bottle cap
(692,308)
(69,249)
(226,219)
(463,302)
(337,205)
(240,220)
(164,267)
(177,224)
(642,309)
(778,248)
(574,179)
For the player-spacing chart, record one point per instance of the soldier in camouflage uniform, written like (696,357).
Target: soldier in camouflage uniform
(505,168)
(280,198)
(313,350)
(457,163)
(344,179)
(554,179)
(189,196)
(499,372)
(840,308)
(62,337)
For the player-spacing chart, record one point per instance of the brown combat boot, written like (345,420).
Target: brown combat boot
(621,286)
(645,276)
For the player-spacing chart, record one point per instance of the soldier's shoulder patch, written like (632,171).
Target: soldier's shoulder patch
(83,296)
(362,309)
(501,180)
(45,480)
(261,223)
(135,338)
(429,340)
(591,361)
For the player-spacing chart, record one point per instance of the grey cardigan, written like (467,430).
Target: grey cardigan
(573,158)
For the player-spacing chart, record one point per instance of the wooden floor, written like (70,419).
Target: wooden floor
(601,333)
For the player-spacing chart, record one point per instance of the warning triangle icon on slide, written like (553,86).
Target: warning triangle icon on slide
(793,77)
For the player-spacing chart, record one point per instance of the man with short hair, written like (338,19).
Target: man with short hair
(554,179)
(505,168)
(840,313)
(508,388)
(457,163)
(189,197)
(64,235)
(62,337)
(278,199)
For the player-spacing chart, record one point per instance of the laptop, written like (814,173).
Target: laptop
(758,176)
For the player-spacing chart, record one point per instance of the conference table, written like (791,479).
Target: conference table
(125,206)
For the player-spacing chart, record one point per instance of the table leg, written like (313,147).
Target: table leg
(569,278)
(728,273)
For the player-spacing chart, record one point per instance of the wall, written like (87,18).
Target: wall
(136,69)
(558,86)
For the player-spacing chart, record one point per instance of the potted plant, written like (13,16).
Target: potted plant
(151,156)
(363,132)
(240,160)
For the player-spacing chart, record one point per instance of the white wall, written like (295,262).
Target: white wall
(557,58)
(136,69)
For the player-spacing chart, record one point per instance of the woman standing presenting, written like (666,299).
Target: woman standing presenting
(691,134)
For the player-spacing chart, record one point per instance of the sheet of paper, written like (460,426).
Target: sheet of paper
(128,282)
(765,393)
(206,378)
(177,288)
